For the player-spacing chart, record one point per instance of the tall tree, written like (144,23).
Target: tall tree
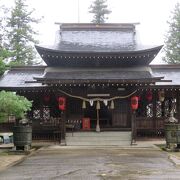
(172,42)
(21,34)
(3,54)
(3,51)
(100,10)
(3,19)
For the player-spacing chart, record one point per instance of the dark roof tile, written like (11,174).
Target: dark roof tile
(97,75)
(169,73)
(17,77)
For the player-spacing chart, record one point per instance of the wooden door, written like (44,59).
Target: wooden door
(120,114)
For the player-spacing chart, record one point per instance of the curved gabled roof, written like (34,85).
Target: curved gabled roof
(72,55)
(72,48)
(33,76)
(89,45)
(98,75)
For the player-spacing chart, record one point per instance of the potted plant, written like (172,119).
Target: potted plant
(12,104)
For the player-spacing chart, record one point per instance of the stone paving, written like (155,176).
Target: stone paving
(57,162)
(9,160)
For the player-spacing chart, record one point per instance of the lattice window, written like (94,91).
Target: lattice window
(174,105)
(167,106)
(149,110)
(46,114)
(36,114)
(158,109)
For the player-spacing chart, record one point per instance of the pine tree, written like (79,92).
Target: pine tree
(21,34)
(100,10)
(3,51)
(3,19)
(3,55)
(172,42)
(1,30)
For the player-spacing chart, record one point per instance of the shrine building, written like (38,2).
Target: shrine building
(97,82)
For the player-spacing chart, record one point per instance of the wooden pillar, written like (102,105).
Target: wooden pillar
(97,113)
(97,125)
(63,127)
(154,102)
(133,127)
(178,105)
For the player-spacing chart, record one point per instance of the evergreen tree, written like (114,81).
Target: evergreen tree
(3,51)
(3,54)
(100,10)
(21,34)
(172,42)
(3,19)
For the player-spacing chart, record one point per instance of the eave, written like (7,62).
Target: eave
(70,58)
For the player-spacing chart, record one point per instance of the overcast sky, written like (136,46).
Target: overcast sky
(151,14)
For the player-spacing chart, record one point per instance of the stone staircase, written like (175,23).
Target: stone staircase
(122,138)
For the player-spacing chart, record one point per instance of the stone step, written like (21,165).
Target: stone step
(101,138)
(99,134)
(99,143)
(98,139)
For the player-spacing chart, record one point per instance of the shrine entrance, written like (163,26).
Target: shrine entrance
(104,114)
(111,116)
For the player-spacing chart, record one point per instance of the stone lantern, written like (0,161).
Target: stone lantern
(172,132)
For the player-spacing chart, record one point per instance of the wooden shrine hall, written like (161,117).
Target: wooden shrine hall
(98,79)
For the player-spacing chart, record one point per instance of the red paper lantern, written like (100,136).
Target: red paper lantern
(149,96)
(139,98)
(62,103)
(134,102)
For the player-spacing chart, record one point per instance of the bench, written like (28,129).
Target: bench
(73,125)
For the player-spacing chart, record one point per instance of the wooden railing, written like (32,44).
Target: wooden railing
(150,126)
(47,130)
(6,126)
(51,130)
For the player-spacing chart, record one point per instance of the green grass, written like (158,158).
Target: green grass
(4,153)
(161,146)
